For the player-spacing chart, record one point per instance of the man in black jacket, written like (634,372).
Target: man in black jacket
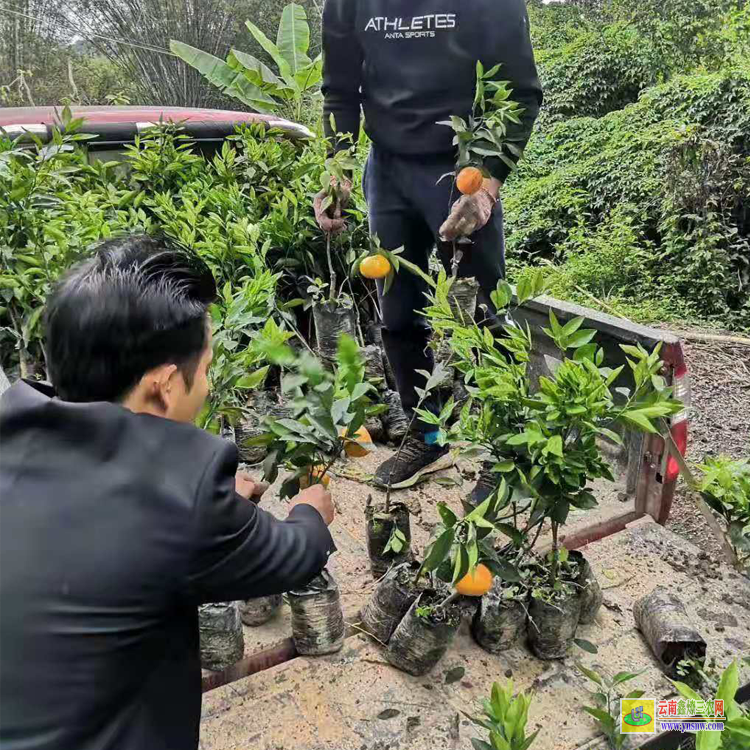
(118,516)
(409,65)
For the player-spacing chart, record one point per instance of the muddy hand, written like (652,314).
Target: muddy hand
(247,487)
(319,498)
(329,219)
(469,214)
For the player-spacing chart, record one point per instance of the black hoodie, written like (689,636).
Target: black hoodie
(411,64)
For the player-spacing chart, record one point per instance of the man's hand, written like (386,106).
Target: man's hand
(469,214)
(247,487)
(320,499)
(330,219)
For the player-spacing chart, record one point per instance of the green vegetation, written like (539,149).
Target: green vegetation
(505,717)
(245,209)
(634,187)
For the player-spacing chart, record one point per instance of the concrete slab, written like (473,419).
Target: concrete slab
(337,702)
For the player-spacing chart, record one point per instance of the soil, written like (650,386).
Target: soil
(719,423)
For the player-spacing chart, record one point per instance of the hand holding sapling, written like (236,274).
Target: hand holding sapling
(319,498)
(247,487)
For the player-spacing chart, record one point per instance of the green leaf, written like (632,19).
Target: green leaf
(231,82)
(438,551)
(611,434)
(274,52)
(580,338)
(524,290)
(555,445)
(625,677)
(448,516)
(686,691)
(293,39)
(257,72)
(572,326)
(635,694)
(504,570)
(454,675)
(253,379)
(586,646)
(728,684)
(601,716)
(461,564)
(637,419)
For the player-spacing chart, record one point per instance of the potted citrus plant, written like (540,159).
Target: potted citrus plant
(328,410)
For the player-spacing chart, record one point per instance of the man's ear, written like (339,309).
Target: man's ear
(161,387)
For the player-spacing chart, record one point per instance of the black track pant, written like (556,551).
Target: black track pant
(407,206)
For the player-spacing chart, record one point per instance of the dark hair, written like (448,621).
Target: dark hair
(140,302)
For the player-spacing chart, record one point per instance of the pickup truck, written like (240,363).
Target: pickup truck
(331,705)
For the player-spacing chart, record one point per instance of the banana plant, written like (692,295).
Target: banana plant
(248,79)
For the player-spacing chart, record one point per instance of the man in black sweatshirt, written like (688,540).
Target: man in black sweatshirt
(409,65)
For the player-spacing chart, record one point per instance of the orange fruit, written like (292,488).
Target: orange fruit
(469,180)
(316,472)
(476,583)
(375,267)
(359,444)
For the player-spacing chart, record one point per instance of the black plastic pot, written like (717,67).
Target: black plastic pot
(390,601)
(665,625)
(221,640)
(420,642)
(331,320)
(380,526)
(317,618)
(463,298)
(260,404)
(499,622)
(552,627)
(588,588)
(259,611)
(374,365)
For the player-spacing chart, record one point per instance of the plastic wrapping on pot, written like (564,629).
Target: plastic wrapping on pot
(589,590)
(221,641)
(395,420)
(374,365)
(390,601)
(317,618)
(259,611)
(552,627)
(463,298)
(260,404)
(419,643)
(379,529)
(665,625)
(499,623)
(332,320)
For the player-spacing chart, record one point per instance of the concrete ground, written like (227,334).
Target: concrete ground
(353,700)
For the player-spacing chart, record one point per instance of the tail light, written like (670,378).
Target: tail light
(679,422)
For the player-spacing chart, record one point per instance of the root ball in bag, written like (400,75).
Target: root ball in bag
(221,639)
(259,611)
(552,625)
(589,590)
(500,620)
(665,625)
(383,549)
(317,618)
(390,601)
(424,635)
